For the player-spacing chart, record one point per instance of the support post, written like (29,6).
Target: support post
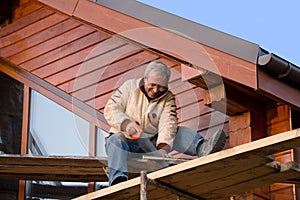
(143,189)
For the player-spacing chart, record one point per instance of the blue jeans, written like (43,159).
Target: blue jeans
(119,149)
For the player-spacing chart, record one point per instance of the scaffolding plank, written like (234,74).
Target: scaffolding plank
(61,168)
(191,176)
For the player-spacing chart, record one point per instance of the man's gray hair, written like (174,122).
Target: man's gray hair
(160,67)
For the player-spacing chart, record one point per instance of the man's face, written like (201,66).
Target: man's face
(155,84)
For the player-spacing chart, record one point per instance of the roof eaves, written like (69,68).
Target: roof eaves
(280,69)
(221,41)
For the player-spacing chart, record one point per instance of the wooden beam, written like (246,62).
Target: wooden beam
(278,90)
(64,168)
(52,168)
(24,140)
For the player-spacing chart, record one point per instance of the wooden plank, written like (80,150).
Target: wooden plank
(201,171)
(52,168)
(104,79)
(50,44)
(25,9)
(96,63)
(39,37)
(25,21)
(68,68)
(288,171)
(31,29)
(59,53)
(277,89)
(63,168)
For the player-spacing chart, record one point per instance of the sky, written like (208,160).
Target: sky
(273,25)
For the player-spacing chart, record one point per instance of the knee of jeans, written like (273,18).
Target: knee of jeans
(116,138)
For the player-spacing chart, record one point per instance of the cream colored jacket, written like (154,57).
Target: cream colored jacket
(156,116)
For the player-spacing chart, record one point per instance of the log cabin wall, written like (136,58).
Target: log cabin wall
(279,120)
(242,129)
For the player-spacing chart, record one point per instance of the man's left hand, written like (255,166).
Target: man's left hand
(163,153)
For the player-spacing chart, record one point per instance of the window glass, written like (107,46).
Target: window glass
(54,130)
(100,143)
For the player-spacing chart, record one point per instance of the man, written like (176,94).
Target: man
(143,119)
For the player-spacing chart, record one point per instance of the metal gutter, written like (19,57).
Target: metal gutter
(280,68)
(216,39)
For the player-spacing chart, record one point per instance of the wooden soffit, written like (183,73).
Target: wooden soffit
(158,39)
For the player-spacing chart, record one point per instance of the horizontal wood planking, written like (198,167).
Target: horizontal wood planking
(32,29)
(38,37)
(49,45)
(68,68)
(60,53)
(102,81)
(21,23)
(26,8)
(98,62)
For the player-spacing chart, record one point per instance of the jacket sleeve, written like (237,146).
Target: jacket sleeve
(168,123)
(114,111)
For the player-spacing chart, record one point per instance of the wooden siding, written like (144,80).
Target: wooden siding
(89,63)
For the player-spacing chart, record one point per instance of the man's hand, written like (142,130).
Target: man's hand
(134,130)
(163,153)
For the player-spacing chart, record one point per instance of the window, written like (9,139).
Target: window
(54,130)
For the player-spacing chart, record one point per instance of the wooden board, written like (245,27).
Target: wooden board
(62,168)
(216,176)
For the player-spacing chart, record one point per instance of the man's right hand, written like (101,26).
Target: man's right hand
(134,130)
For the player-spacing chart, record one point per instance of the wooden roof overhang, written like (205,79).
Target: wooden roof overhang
(218,58)
(184,49)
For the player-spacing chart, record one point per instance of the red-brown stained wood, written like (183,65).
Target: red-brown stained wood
(60,53)
(47,46)
(65,69)
(98,62)
(102,81)
(67,7)
(32,29)
(25,8)
(25,21)
(69,68)
(39,37)
(279,120)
